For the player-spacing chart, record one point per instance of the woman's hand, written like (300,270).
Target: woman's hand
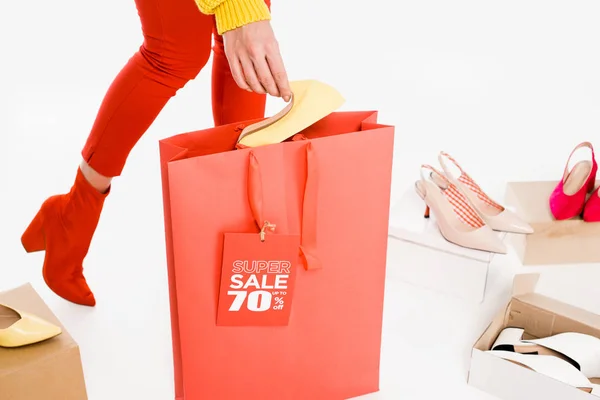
(255,61)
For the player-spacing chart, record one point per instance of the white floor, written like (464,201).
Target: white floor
(507,87)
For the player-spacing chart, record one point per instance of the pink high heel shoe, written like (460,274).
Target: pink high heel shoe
(591,212)
(568,198)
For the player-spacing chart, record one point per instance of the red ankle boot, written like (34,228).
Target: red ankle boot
(64,227)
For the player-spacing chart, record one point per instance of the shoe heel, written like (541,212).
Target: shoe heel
(33,237)
(421,194)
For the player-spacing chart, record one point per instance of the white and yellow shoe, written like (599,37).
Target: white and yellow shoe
(19,329)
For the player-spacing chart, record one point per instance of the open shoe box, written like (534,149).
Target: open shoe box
(540,316)
(553,242)
(49,370)
(419,255)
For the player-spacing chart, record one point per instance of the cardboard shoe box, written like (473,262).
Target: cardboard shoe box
(418,254)
(540,316)
(572,241)
(49,370)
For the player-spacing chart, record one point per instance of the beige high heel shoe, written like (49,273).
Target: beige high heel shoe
(458,222)
(495,215)
(19,329)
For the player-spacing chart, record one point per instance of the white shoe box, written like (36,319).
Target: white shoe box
(419,255)
(542,305)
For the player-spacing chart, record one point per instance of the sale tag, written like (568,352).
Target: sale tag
(257,279)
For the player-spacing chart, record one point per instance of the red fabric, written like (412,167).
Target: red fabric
(177,46)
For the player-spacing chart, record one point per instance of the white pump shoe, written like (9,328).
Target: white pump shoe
(549,366)
(580,350)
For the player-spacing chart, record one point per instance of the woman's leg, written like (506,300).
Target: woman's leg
(231,104)
(177,41)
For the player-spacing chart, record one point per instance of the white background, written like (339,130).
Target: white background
(507,87)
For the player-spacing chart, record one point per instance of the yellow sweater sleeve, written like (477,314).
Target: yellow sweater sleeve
(231,14)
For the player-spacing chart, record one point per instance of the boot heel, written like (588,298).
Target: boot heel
(33,237)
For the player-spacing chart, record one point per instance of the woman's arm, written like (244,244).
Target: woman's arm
(250,45)
(232,14)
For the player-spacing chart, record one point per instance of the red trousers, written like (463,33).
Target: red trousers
(177,46)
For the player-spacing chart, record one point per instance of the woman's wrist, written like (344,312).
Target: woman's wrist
(232,14)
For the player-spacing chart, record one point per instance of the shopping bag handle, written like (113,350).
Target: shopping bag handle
(311,101)
(308,240)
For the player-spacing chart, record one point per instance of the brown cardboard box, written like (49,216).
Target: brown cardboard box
(540,315)
(49,370)
(553,242)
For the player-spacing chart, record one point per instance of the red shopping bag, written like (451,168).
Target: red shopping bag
(330,193)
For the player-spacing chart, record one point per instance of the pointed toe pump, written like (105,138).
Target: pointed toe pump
(568,198)
(591,212)
(495,215)
(19,329)
(64,227)
(458,222)
(549,366)
(580,350)
(312,100)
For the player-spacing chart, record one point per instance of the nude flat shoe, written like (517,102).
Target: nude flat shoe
(550,366)
(458,222)
(19,329)
(578,349)
(311,101)
(495,215)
